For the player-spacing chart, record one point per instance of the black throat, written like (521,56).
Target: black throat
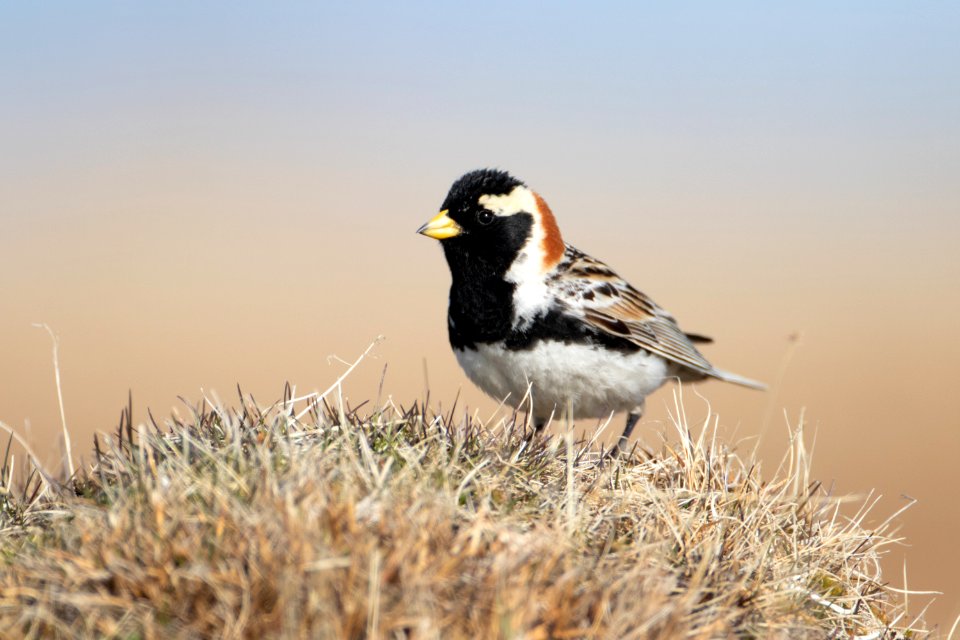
(481,300)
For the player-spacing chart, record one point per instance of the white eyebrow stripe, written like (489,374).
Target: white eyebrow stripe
(520,199)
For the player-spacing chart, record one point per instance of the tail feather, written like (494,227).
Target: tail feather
(726,376)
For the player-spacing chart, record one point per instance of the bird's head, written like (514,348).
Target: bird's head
(493,214)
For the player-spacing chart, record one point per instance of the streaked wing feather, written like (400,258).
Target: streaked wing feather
(613,306)
(675,346)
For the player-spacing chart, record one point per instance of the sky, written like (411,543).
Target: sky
(200,195)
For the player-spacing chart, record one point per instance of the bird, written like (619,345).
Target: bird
(537,323)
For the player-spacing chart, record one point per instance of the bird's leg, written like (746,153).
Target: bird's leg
(539,426)
(632,419)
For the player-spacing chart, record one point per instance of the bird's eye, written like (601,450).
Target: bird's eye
(484,217)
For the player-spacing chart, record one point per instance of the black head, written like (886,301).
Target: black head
(467,190)
(487,217)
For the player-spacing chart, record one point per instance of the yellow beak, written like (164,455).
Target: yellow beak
(441,227)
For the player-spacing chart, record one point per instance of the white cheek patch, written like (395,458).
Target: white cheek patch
(531,295)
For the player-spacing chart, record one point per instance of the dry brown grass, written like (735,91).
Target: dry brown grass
(389,523)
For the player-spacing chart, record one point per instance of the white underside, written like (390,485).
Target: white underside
(593,382)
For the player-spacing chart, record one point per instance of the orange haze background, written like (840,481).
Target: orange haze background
(196,196)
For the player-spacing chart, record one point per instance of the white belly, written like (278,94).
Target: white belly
(594,382)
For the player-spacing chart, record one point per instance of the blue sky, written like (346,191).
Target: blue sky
(603,91)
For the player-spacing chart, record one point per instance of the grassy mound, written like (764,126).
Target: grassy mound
(254,522)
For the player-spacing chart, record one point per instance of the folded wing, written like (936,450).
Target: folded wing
(611,305)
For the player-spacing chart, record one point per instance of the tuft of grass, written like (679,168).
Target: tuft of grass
(399,523)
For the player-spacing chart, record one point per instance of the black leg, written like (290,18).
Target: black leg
(539,425)
(632,419)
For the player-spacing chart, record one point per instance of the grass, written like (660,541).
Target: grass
(328,522)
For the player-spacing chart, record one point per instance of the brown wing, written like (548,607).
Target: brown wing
(612,306)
